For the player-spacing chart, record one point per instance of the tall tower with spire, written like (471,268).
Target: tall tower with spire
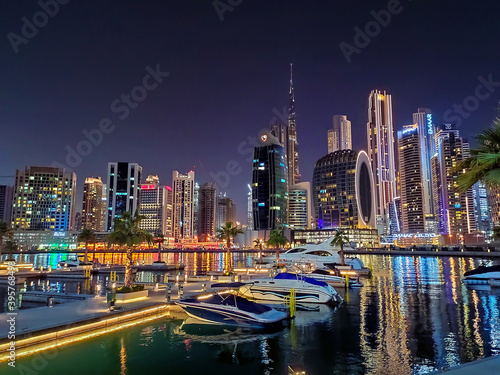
(292,149)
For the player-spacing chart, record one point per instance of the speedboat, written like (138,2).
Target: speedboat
(278,288)
(332,279)
(68,263)
(482,274)
(231,309)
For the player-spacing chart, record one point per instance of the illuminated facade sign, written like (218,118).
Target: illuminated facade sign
(429,124)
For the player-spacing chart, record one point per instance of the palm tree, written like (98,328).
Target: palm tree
(277,239)
(226,233)
(159,239)
(258,244)
(87,236)
(5,231)
(339,239)
(11,246)
(127,233)
(496,233)
(484,162)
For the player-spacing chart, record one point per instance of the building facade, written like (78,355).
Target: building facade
(44,199)
(299,206)
(381,152)
(482,209)
(124,185)
(269,184)
(455,210)
(6,194)
(366,238)
(153,206)
(183,206)
(207,208)
(226,210)
(92,206)
(292,150)
(339,136)
(343,191)
(411,177)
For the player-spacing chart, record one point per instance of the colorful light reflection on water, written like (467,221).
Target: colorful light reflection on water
(413,316)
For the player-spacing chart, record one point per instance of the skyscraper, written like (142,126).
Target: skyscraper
(410,168)
(226,210)
(482,210)
(299,206)
(381,153)
(124,184)
(92,207)
(169,212)
(6,194)
(195,208)
(494,200)
(207,202)
(423,117)
(269,184)
(153,206)
(44,199)
(339,136)
(183,206)
(455,210)
(343,191)
(249,208)
(292,150)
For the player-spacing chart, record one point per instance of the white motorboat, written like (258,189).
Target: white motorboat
(482,274)
(332,279)
(68,263)
(278,288)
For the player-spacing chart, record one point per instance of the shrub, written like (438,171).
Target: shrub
(126,289)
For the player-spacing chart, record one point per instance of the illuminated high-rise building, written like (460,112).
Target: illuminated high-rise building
(195,208)
(455,210)
(207,203)
(494,200)
(169,211)
(6,194)
(410,169)
(152,206)
(292,150)
(44,199)
(482,210)
(343,191)
(382,154)
(249,208)
(299,206)
(339,136)
(183,206)
(226,210)
(92,209)
(269,184)
(124,185)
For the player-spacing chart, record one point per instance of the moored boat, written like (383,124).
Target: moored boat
(482,273)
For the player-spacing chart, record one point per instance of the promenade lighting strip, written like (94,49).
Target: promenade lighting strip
(43,342)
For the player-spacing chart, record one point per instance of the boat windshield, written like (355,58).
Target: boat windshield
(236,301)
(293,276)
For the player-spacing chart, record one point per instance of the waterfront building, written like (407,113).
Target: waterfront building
(6,194)
(427,147)
(168,212)
(361,237)
(44,199)
(455,210)
(153,206)
(343,191)
(183,206)
(381,152)
(292,150)
(395,224)
(482,210)
(207,208)
(92,207)
(124,184)
(411,180)
(226,210)
(269,184)
(249,208)
(494,200)
(195,208)
(299,206)
(339,136)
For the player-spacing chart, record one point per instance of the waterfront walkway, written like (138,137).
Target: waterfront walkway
(486,366)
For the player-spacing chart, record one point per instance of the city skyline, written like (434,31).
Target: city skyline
(58,97)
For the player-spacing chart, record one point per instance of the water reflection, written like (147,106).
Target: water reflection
(413,316)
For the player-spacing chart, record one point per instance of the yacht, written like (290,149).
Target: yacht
(277,289)
(482,274)
(231,309)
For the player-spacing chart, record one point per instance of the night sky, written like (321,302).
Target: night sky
(228,79)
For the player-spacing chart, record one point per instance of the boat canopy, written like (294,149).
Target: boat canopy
(294,276)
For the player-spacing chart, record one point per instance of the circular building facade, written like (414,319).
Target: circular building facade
(343,190)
